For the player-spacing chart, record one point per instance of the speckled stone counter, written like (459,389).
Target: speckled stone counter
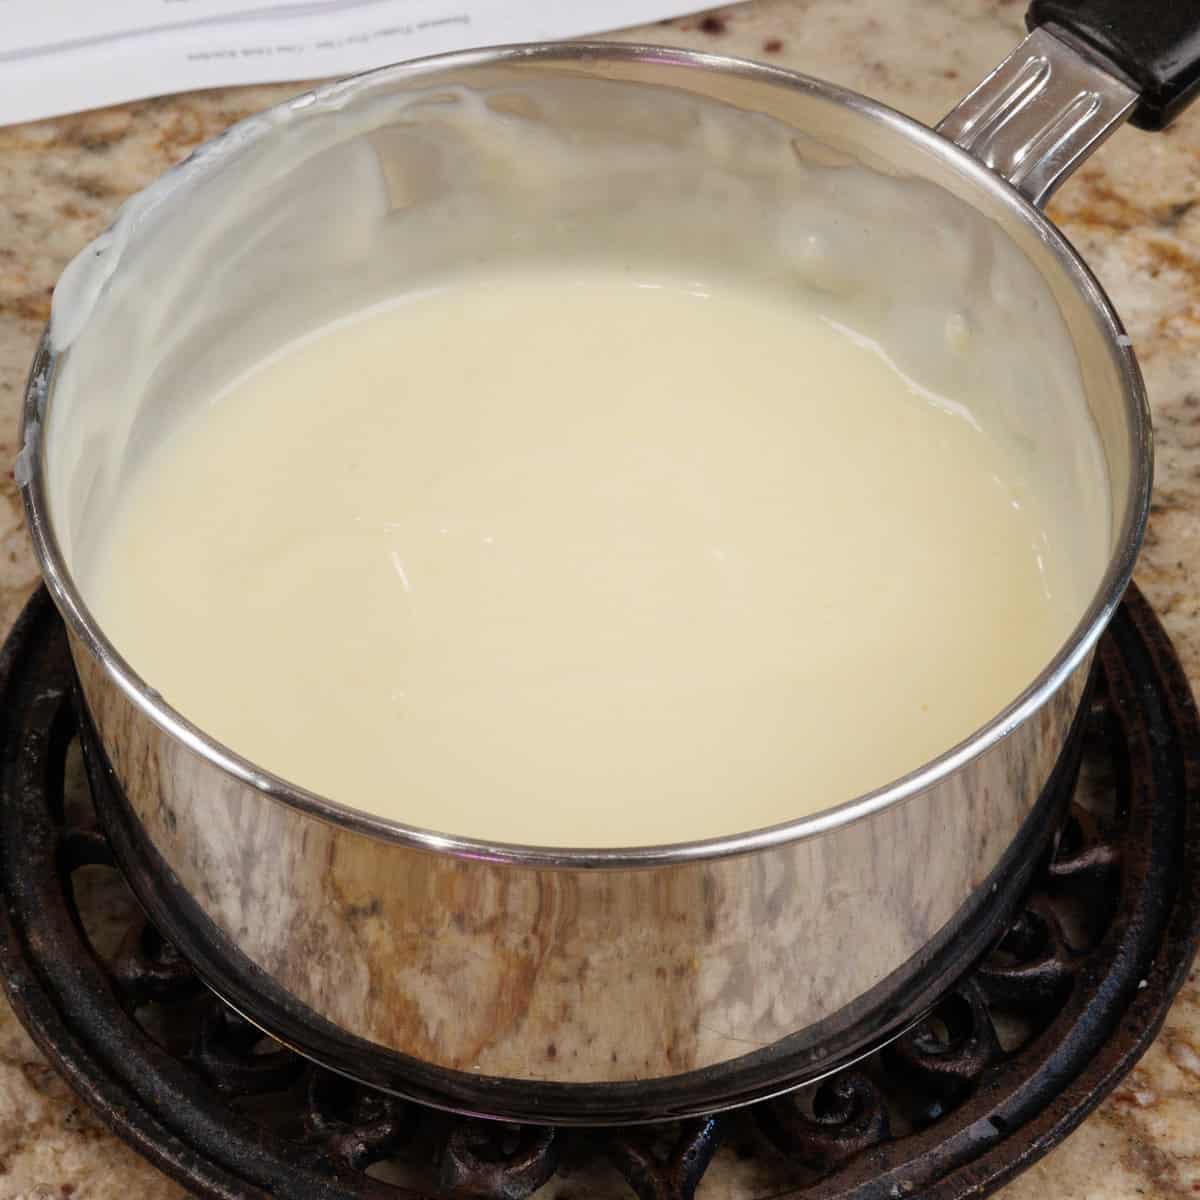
(1134,212)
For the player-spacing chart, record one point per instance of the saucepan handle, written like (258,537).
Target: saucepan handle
(1086,67)
(1155,44)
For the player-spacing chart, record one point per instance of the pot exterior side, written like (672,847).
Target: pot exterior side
(539,992)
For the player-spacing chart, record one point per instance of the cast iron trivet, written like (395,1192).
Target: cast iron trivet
(1010,1061)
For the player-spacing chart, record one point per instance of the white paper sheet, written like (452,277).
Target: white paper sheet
(61,56)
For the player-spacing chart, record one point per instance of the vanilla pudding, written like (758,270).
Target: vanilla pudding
(583,556)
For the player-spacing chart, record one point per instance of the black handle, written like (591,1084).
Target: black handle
(1155,44)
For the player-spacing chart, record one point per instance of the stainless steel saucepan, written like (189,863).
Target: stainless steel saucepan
(582,985)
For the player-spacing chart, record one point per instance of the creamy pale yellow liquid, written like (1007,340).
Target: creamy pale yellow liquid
(578,558)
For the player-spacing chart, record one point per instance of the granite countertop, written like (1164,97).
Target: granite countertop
(1133,212)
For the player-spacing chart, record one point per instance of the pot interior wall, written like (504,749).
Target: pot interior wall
(394,182)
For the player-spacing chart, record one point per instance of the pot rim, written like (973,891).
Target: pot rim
(87,632)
